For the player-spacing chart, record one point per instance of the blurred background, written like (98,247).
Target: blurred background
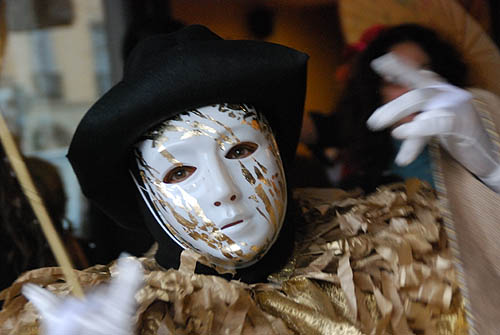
(61,55)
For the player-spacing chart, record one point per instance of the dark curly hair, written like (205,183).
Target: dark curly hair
(370,153)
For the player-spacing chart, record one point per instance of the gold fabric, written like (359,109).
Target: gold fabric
(376,264)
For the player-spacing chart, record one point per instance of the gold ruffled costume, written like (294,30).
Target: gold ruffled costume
(377,264)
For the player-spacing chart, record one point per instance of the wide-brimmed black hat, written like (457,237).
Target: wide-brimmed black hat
(168,74)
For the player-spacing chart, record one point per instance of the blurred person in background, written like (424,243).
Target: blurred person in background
(368,156)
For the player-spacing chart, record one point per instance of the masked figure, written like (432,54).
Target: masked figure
(189,153)
(194,144)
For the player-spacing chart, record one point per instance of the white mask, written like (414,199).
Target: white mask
(214,181)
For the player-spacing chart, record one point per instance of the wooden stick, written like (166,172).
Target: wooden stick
(36,203)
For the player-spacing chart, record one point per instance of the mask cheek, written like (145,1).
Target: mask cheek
(194,186)
(173,211)
(184,215)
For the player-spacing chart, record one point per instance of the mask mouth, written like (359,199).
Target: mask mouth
(232,224)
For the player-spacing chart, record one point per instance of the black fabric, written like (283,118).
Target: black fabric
(166,75)
(328,130)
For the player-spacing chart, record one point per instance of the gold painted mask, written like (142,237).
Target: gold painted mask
(213,179)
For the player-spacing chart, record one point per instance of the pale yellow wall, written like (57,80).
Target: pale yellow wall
(74,56)
(17,60)
(309,29)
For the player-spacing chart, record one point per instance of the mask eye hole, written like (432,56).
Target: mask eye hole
(242,150)
(178,174)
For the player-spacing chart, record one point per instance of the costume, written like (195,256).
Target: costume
(351,253)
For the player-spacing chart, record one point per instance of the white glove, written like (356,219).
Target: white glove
(443,110)
(106,310)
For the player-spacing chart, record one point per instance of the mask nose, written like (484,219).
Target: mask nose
(231,199)
(224,191)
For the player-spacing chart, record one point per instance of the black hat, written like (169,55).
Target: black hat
(166,75)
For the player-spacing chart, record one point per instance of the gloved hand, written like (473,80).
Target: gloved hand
(107,310)
(440,109)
